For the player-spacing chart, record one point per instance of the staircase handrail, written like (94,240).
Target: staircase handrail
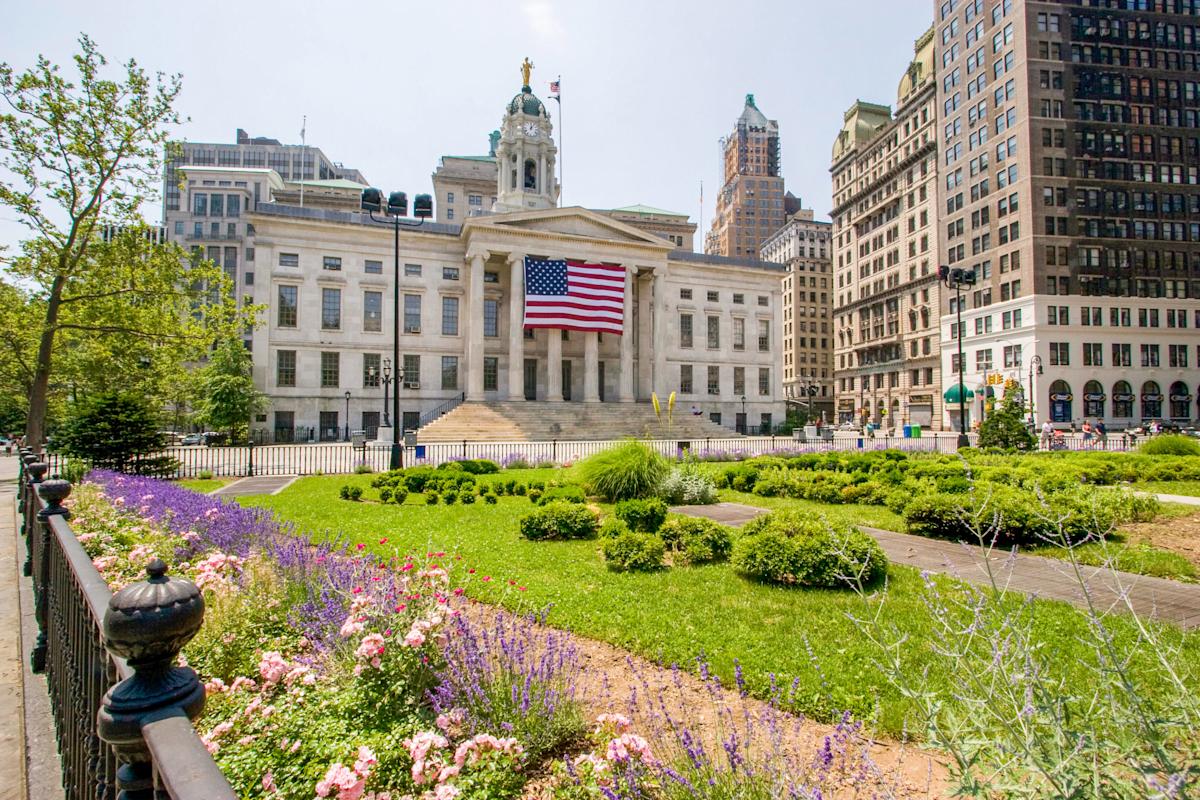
(441,410)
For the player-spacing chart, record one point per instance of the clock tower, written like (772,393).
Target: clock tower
(525,155)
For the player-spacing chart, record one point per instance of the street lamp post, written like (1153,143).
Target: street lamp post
(956,279)
(1034,361)
(395,208)
(745,422)
(387,379)
(347,416)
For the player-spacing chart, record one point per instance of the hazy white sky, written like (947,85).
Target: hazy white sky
(648,87)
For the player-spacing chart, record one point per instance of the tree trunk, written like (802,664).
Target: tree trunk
(35,423)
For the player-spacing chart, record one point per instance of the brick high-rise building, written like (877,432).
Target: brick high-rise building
(750,203)
(1070,183)
(885,255)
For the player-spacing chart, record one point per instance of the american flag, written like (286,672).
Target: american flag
(574,295)
(554,87)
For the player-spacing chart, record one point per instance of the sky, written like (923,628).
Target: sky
(648,88)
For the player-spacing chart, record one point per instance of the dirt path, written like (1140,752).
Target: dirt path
(662,702)
(1178,534)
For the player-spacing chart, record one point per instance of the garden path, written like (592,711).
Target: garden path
(1178,498)
(28,747)
(259,484)
(1047,578)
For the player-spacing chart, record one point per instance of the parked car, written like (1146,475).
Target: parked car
(193,439)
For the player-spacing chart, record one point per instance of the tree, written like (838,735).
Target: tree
(76,164)
(1005,427)
(116,430)
(226,395)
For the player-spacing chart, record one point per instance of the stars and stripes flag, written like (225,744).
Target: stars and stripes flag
(574,295)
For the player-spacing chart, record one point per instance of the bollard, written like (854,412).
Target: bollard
(250,459)
(53,491)
(148,623)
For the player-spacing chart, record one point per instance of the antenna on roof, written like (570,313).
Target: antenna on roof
(303,151)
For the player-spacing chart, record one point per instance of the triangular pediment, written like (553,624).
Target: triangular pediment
(573,221)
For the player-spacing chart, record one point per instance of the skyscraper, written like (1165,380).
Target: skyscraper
(1070,183)
(750,203)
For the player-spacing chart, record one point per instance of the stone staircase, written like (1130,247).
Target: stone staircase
(567,421)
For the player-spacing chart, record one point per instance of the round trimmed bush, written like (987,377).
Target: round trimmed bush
(1172,444)
(630,469)
(399,495)
(612,527)
(792,549)
(642,515)
(535,495)
(634,551)
(697,540)
(467,498)
(450,497)
(490,499)
(431,498)
(559,520)
(568,494)
(385,494)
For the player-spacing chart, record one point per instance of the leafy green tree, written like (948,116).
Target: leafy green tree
(1005,426)
(226,395)
(77,161)
(116,430)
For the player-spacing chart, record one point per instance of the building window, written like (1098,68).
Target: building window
(983,360)
(685,330)
(714,333)
(1012,356)
(412,270)
(764,380)
(449,273)
(1122,355)
(714,297)
(1093,354)
(330,370)
(739,380)
(289,259)
(739,333)
(685,379)
(449,197)
(287,307)
(491,277)
(200,205)
(371,370)
(491,317)
(763,300)
(491,373)
(450,372)
(1060,354)
(331,263)
(739,299)
(764,336)
(449,213)
(285,368)
(331,309)
(449,316)
(373,267)
(714,380)
(685,294)
(412,313)
(372,311)
(1149,355)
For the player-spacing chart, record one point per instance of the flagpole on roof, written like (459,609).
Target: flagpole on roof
(303,151)
(556,89)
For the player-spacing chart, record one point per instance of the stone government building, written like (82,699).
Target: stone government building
(702,326)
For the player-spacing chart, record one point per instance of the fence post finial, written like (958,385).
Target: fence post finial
(148,623)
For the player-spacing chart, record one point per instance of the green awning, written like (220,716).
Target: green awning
(952,394)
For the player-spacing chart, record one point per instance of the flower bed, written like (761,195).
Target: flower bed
(336,672)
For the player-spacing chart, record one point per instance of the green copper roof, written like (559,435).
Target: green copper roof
(528,103)
(641,209)
(332,183)
(473,158)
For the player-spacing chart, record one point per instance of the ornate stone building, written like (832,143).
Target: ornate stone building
(885,245)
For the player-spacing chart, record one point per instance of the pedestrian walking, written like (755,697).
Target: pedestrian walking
(1047,433)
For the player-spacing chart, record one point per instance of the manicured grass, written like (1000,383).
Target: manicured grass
(871,516)
(204,485)
(681,614)
(1139,559)
(1185,488)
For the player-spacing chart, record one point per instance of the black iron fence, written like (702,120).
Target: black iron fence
(122,710)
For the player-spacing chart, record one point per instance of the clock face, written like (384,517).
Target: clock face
(531,129)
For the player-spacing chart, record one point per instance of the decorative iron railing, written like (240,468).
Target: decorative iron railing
(122,710)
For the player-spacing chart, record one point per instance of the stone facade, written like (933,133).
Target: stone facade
(887,296)
(804,245)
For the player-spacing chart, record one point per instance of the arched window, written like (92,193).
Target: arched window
(1093,399)
(1181,401)
(1060,402)
(1151,400)
(1122,400)
(530,174)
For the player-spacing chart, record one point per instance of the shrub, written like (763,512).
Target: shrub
(1005,427)
(363,469)
(117,431)
(467,498)
(534,495)
(612,527)
(516,462)
(790,548)
(348,492)
(688,486)
(474,466)
(740,478)
(630,469)
(697,540)
(204,475)
(559,520)
(642,515)
(1170,445)
(385,494)
(450,497)
(489,498)
(518,489)
(569,494)
(634,551)
(431,498)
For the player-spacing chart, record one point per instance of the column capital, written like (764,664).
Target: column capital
(471,255)
(515,258)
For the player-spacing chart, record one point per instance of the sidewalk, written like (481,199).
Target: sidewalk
(28,745)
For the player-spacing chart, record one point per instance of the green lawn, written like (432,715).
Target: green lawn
(680,614)
(1139,559)
(1185,488)
(204,485)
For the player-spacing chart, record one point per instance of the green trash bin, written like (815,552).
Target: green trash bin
(916,431)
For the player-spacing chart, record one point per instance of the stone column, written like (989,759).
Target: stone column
(645,359)
(516,329)
(591,367)
(554,365)
(660,334)
(625,386)
(474,325)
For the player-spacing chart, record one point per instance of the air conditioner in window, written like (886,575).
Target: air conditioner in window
(412,329)
(412,384)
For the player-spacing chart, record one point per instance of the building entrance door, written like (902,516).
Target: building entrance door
(531,379)
(600,380)
(566,380)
